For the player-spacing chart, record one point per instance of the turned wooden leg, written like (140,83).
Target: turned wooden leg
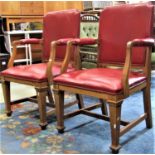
(6,93)
(103,107)
(147,106)
(41,97)
(59,103)
(115,116)
(80,101)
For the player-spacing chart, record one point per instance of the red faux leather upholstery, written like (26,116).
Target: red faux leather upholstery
(57,25)
(84,41)
(35,72)
(98,79)
(113,37)
(78,41)
(30,41)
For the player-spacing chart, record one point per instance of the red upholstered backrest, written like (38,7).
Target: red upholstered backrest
(120,24)
(58,25)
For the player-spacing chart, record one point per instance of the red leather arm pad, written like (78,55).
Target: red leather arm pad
(63,41)
(143,42)
(84,41)
(78,41)
(30,41)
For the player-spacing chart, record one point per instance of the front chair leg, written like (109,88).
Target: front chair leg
(6,93)
(59,104)
(147,106)
(80,101)
(41,97)
(115,116)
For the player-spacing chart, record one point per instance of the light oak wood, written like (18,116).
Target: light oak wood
(32,7)
(37,7)
(10,8)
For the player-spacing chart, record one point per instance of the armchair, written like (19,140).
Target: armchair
(57,25)
(123,68)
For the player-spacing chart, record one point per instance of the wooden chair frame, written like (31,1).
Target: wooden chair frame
(114,100)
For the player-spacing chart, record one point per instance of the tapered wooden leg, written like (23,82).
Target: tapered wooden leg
(147,106)
(115,116)
(59,103)
(41,97)
(80,101)
(103,107)
(6,93)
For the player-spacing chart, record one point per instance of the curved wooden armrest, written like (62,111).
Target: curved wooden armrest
(68,42)
(22,42)
(147,42)
(65,63)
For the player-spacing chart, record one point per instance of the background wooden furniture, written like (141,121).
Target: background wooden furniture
(27,52)
(36,7)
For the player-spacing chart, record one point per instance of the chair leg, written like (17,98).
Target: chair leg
(147,106)
(80,101)
(59,103)
(41,97)
(6,92)
(115,116)
(103,107)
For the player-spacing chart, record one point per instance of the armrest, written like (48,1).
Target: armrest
(77,41)
(142,42)
(84,41)
(28,41)
(146,42)
(68,42)
(54,44)
(22,42)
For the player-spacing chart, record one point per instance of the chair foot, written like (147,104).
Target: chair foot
(60,129)
(9,113)
(115,151)
(43,127)
(149,126)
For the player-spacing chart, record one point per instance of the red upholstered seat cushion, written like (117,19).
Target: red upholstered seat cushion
(98,79)
(35,72)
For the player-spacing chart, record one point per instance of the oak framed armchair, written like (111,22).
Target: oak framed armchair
(56,25)
(125,46)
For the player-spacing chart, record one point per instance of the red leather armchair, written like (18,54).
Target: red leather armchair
(125,47)
(57,25)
